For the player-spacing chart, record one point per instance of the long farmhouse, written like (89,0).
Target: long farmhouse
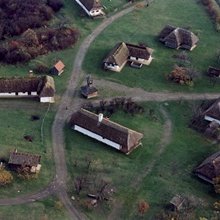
(105,131)
(15,87)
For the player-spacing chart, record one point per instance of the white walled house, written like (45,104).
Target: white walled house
(92,8)
(105,131)
(125,52)
(20,87)
(213,112)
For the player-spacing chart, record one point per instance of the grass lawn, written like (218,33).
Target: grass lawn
(50,208)
(14,125)
(143,26)
(171,174)
(110,164)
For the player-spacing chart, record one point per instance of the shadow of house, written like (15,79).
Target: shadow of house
(105,131)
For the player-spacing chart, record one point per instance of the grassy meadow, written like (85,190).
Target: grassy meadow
(172,172)
(143,26)
(50,208)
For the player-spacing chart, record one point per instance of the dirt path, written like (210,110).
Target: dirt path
(70,103)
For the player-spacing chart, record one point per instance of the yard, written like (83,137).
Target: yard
(50,208)
(171,173)
(143,26)
(15,124)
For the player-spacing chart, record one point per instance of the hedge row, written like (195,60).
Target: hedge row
(16,16)
(214,11)
(34,43)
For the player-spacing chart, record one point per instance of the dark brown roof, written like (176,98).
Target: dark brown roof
(91,4)
(214,72)
(166,31)
(120,53)
(88,90)
(178,37)
(214,110)
(24,159)
(112,131)
(209,168)
(43,85)
(139,51)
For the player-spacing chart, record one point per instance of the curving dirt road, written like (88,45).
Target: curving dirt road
(70,103)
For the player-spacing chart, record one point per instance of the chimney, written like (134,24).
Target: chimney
(100,117)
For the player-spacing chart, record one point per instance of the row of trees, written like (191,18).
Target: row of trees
(16,16)
(33,43)
(213,10)
(110,107)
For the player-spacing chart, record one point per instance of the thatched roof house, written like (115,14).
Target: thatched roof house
(178,38)
(92,8)
(42,87)
(124,52)
(105,131)
(23,160)
(213,72)
(213,112)
(58,68)
(209,168)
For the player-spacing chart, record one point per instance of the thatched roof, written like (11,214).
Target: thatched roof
(126,137)
(209,168)
(43,85)
(120,53)
(213,72)
(91,4)
(165,32)
(139,51)
(178,37)
(23,159)
(214,110)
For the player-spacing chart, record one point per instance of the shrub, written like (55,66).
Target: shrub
(5,177)
(56,5)
(41,69)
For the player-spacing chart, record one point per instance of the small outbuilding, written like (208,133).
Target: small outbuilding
(105,131)
(89,91)
(176,203)
(25,160)
(175,37)
(57,69)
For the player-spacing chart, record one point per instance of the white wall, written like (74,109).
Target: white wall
(47,99)
(208,118)
(97,137)
(139,60)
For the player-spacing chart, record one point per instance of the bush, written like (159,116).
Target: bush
(56,5)
(41,69)
(5,177)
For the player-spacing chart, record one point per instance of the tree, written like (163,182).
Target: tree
(143,207)
(5,177)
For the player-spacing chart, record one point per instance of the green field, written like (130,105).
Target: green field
(14,125)
(171,174)
(143,26)
(50,208)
